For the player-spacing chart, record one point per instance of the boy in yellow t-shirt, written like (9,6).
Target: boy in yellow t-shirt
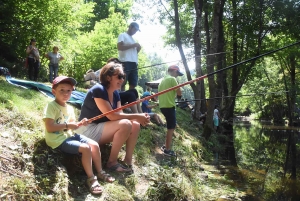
(59,121)
(167,105)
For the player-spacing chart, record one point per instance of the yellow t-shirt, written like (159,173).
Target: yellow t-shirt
(60,115)
(167,100)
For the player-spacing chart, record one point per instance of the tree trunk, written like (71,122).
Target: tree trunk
(179,45)
(200,106)
(211,60)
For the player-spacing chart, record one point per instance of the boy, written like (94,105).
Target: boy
(167,105)
(59,121)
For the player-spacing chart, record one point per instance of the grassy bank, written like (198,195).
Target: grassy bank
(32,171)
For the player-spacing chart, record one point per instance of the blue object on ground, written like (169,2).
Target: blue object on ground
(76,99)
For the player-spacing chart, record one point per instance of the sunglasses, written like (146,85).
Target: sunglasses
(121,76)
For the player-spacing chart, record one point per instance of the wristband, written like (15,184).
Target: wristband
(66,126)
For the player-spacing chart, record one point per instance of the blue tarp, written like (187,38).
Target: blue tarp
(76,96)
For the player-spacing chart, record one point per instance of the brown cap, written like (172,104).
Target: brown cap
(64,78)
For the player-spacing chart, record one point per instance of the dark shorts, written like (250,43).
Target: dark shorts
(170,115)
(72,144)
(128,96)
(131,71)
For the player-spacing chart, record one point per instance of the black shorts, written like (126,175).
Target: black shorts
(170,115)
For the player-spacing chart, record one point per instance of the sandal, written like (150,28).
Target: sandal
(102,175)
(124,164)
(117,166)
(94,186)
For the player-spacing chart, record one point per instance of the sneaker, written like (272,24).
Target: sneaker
(163,148)
(169,153)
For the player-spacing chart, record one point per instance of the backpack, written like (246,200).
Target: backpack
(4,71)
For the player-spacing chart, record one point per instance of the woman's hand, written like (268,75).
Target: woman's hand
(143,119)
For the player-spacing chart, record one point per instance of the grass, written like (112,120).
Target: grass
(32,171)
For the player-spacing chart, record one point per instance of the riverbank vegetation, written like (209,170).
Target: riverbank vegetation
(258,40)
(32,171)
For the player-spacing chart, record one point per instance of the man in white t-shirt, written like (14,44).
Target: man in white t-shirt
(128,54)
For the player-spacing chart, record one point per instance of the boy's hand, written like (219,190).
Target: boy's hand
(83,122)
(72,126)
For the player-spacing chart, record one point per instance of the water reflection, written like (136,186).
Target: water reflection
(268,157)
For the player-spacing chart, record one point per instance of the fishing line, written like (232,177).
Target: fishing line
(180,60)
(254,94)
(186,83)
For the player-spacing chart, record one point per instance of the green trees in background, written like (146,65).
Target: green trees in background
(86,33)
(231,32)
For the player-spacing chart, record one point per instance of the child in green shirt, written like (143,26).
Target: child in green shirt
(167,105)
(60,121)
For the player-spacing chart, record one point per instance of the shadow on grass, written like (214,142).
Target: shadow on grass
(60,176)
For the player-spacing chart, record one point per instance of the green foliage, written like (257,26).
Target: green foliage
(62,23)
(103,8)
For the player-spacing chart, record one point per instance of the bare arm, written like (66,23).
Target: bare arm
(52,127)
(29,49)
(105,107)
(152,106)
(138,49)
(178,92)
(122,46)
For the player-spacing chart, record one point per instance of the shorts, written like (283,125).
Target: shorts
(72,144)
(216,122)
(128,96)
(170,115)
(131,71)
(92,131)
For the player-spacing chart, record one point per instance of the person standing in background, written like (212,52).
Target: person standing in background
(33,60)
(54,58)
(216,117)
(128,54)
(167,105)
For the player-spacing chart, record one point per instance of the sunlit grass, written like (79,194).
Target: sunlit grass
(160,177)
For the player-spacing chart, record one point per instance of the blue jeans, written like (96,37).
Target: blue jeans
(131,71)
(53,70)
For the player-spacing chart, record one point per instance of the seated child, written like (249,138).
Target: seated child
(146,107)
(59,121)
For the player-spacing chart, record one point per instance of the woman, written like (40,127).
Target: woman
(54,58)
(33,60)
(117,127)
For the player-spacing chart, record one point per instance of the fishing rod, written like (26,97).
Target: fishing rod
(231,96)
(185,83)
(181,59)
(176,61)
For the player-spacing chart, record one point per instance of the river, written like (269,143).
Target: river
(268,159)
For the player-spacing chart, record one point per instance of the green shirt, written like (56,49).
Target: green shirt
(60,115)
(167,100)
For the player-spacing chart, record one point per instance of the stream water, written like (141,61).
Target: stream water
(268,159)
